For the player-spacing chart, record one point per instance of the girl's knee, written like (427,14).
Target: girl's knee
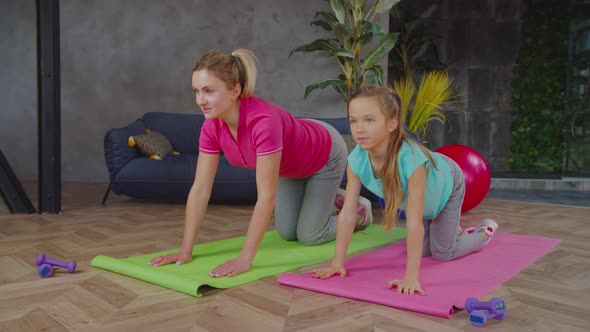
(443,256)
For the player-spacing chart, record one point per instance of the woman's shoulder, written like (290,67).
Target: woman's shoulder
(255,107)
(259,104)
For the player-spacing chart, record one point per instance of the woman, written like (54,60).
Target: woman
(299,163)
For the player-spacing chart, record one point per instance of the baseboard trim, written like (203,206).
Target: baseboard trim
(571,184)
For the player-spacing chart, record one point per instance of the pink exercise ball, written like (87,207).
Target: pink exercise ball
(475,170)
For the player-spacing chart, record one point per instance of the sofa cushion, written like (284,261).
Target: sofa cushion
(171,169)
(171,179)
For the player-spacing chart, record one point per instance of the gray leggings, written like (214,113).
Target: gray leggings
(441,234)
(304,208)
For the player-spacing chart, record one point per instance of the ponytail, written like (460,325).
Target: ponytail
(248,73)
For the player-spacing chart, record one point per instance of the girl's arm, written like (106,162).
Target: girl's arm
(196,207)
(267,177)
(415,238)
(346,224)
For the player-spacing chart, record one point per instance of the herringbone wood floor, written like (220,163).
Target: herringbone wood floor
(550,295)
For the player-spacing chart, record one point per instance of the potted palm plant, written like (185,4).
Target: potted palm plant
(355,42)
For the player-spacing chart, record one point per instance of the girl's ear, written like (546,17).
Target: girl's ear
(392,124)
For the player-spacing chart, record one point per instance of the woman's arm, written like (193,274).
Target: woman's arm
(198,198)
(267,176)
(346,224)
(415,238)
(196,207)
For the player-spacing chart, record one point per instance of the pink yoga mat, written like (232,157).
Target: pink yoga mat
(447,284)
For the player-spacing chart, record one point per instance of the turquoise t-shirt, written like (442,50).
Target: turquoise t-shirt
(439,181)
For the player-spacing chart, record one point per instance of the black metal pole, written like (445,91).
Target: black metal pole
(49,106)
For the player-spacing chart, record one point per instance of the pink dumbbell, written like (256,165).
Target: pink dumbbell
(42,259)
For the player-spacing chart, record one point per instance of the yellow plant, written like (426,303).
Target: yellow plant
(434,91)
(405,88)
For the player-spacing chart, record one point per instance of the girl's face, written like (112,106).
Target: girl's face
(368,125)
(212,94)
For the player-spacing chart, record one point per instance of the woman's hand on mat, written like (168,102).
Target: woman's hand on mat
(231,268)
(407,286)
(327,272)
(178,258)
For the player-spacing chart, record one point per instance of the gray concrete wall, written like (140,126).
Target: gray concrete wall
(479,44)
(122,58)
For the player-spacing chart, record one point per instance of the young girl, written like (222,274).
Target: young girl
(299,163)
(427,185)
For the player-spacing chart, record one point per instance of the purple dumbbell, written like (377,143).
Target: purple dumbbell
(496,305)
(479,318)
(42,259)
(482,311)
(45,270)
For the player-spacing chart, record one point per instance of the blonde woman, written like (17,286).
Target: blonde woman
(299,163)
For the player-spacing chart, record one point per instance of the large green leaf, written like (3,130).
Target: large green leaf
(339,10)
(342,52)
(375,75)
(316,45)
(380,50)
(336,83)
(329,17)
(385,5)
(374,80)
(369,31)
(322,24)
(341,31)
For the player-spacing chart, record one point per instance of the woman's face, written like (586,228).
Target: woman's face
(212,94)
(368,125)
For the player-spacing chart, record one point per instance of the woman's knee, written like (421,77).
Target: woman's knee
(308,240)
(285,234)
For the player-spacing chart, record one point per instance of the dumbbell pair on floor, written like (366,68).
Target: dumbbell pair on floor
(46,265)
(481,312)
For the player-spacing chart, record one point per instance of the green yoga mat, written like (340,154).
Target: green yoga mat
(274,256)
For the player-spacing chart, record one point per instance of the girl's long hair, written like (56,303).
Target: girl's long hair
(390,105)
(234,68)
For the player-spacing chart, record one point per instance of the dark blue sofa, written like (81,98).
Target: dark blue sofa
(170,179)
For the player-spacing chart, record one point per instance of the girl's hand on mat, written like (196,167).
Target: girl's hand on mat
(406,286)
(327,272)
(230,268)
(178,258)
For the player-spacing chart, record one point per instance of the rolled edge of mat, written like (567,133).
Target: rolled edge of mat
(147,274)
